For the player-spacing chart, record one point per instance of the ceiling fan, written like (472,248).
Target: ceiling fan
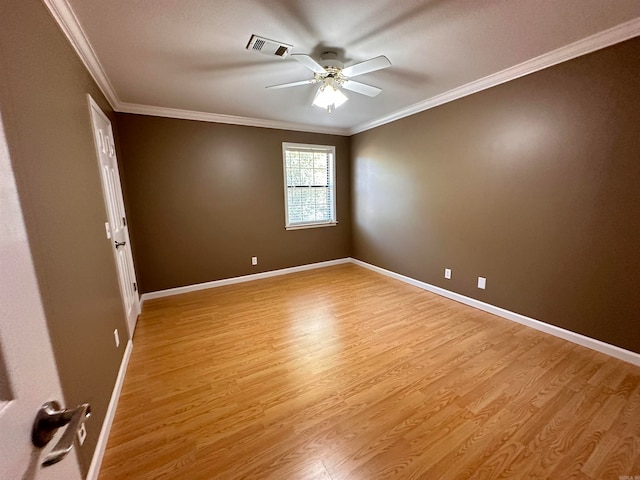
(333,75)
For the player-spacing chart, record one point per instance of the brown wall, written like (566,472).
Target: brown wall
(204,198)
(46,117)
(533,184)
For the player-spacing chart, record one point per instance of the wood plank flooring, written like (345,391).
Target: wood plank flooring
(342,373)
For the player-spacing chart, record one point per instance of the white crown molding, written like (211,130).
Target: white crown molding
(68,22)
(228,119)
(606,38)
(66,18)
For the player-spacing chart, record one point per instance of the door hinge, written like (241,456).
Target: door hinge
(124,222)
(135,287)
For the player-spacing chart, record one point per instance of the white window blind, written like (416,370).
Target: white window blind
(309,175)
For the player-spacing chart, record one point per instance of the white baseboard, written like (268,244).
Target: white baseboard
(592,343)
(245,278)
(98,455)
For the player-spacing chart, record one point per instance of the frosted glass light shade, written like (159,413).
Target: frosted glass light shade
(329,97)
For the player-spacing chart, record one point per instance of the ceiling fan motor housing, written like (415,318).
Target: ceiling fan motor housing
(329,60)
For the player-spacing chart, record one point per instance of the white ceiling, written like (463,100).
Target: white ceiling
(187,58)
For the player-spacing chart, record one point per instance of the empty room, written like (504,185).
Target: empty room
(331,240)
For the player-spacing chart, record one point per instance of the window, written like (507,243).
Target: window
(309,176)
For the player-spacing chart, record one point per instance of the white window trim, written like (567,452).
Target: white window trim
(299,226)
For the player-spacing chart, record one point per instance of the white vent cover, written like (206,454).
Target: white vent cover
(268,47)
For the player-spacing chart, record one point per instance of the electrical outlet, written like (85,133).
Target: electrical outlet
(482,282)
(447,273)
(254,260)
(82,433)
(117,337)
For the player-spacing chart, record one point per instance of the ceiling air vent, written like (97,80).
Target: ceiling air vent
(268,47)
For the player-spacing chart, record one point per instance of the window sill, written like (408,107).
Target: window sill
(310,225)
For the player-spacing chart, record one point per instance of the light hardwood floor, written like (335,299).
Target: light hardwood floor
(342,373)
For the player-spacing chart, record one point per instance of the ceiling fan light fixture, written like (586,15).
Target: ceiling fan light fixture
(328,97)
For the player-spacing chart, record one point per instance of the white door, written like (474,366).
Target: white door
(28,374)
(117,229)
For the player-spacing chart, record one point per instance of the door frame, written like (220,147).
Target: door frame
(94,108)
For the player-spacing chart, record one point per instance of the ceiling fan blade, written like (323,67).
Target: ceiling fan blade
(309,62)
(293,84)
(362,88)
(371,65)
